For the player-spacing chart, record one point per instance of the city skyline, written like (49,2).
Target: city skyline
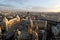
(32,5)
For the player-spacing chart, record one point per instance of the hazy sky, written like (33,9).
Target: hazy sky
(51,5)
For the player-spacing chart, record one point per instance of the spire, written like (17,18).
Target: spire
(31,22)
(18,18)
(6,23)
(5,19)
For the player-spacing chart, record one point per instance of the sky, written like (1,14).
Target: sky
(32,5)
